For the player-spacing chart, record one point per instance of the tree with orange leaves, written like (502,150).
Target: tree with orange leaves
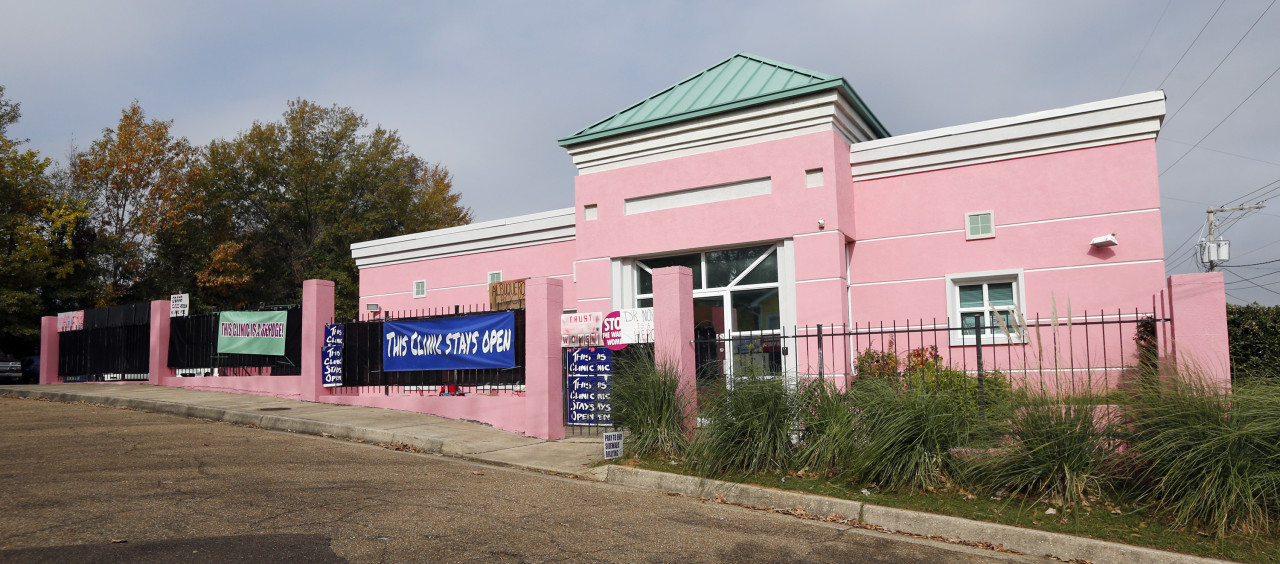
(139,179)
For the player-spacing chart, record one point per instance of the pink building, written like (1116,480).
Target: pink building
(795,207)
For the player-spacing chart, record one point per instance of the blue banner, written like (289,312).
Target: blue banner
(331,355)
(450,343)
(590,387)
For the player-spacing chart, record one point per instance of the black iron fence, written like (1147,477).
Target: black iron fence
(1091,352)
(114,344)
(362,369)
(193,348)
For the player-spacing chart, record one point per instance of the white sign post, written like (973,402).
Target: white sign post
(179,305)
(612,445)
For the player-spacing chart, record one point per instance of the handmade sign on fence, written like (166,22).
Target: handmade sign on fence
(506,295)
(450,343)
(252,332)
(628,327)
(71,321)
(331,355)
(581,329)
(590,386)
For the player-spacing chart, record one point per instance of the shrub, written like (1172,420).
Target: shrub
(881,364)
(646,403)
(904,436)
(1055,451)
(829,428)
(1254,333)
(1210,457)
(748,429)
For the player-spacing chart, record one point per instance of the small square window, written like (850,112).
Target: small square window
(495,276)
(813,178)
(589,212)
(979,225)
(419,288)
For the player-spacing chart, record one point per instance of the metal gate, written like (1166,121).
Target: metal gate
(113,345)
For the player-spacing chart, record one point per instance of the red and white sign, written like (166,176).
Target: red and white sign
(580,330)
(627,327)
(71,321)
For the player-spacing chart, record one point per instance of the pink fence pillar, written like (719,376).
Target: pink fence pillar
(673,332)
(543,381)
(1198,306)
(158,357)
(49,349)
(317,309)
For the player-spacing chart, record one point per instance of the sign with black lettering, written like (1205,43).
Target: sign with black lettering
(590,386)
(612,445)
(331,355)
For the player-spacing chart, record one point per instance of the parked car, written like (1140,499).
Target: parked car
(11,368)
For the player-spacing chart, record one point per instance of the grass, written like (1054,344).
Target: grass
(748,428)
(1133,524)
(646,402)
(1211,458)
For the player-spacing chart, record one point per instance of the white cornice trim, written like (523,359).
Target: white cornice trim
(1118,120)
(520,231)
(825,111)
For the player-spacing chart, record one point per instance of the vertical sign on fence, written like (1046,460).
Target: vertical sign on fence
(179,305)
(331,355)
(590,380)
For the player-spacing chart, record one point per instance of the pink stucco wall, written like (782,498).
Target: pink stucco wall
(1046,209)
(791,208)
(463,279)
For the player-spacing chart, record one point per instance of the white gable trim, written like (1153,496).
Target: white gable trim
(1118,120)
(825,111)
(520,231)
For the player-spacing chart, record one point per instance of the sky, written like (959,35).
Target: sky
(486,88)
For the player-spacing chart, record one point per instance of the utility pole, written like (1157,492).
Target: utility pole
(1214,250)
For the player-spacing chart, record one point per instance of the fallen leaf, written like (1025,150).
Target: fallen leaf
(119,541)
(477,473)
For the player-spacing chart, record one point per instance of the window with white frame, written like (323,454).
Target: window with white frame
(979,225)
(419,288)
(990,303)
(495,276)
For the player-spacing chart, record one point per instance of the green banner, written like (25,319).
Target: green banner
(252,332)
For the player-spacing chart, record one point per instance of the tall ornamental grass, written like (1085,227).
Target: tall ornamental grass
(1210,457)
(904,436)
(646,403)
(1060,452)
(831,428)
(748,429)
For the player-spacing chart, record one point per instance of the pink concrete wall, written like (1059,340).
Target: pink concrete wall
(49,349)
(158,358)
(1046,209)
(289,387)
(673,333)
(791,208)
(1198,303)
(463,279)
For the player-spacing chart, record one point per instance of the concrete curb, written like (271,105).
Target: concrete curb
(1028,541)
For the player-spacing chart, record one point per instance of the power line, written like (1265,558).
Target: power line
(1223,120)
(1254,264)
(1219,65)
(1272,273)
(1175,142)
(1260,287)
(1144,47)
(1192,44)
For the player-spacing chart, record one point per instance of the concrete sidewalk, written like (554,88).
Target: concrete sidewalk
(573,457)
(476,441)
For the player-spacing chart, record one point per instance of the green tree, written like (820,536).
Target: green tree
(139,179)
(292,196)
(39,262)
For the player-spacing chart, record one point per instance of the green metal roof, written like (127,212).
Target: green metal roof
(737,82)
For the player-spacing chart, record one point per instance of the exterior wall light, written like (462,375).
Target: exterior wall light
(1104,241)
